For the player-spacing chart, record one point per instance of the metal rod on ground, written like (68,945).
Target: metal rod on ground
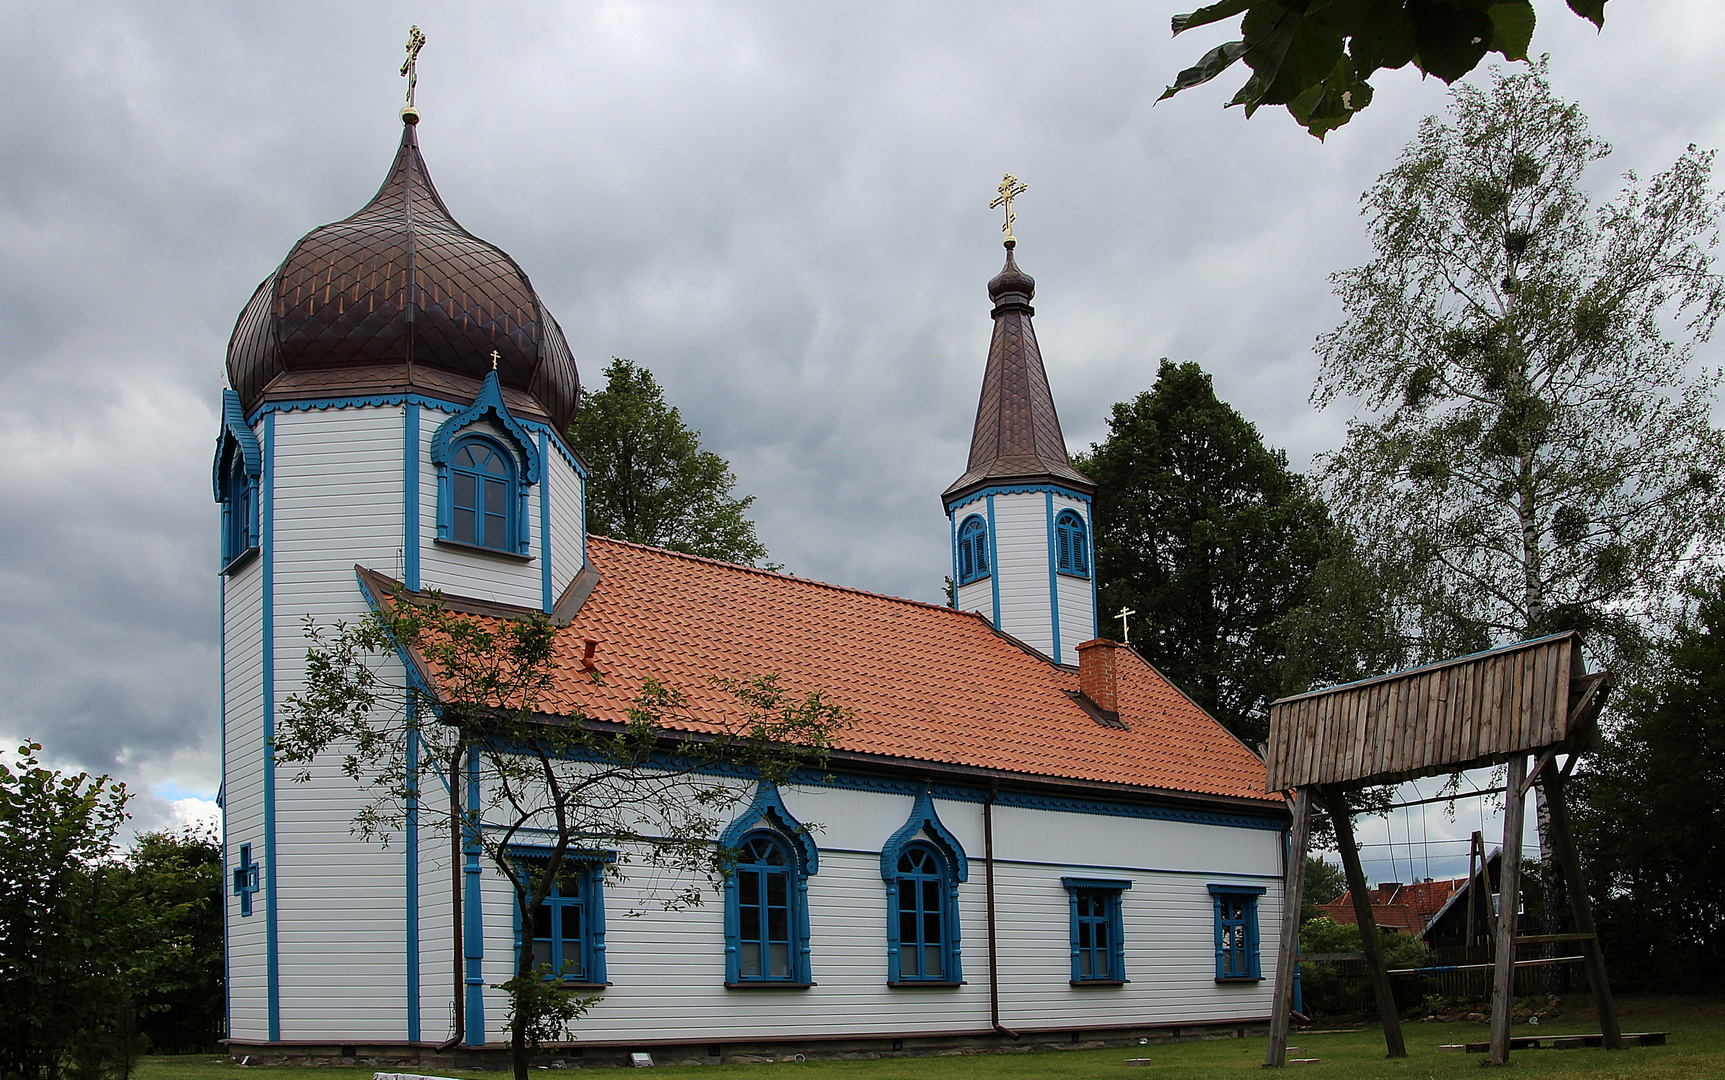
(1563,844)
(1293,887)
(1370,942)
(1509,894)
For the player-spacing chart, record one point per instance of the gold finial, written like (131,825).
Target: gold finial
(410,71)
(1010,188)
(494,359)
(1125,634)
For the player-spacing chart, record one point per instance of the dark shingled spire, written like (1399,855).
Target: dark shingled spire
(399,297)
(1017,438)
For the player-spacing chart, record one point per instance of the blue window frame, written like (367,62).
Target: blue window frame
(923,866)
(482,494)
(767,895)
(245,879)
(1073,543)
(239,510)
(569,927)
(972,549)
(1098,945)
(1237,932)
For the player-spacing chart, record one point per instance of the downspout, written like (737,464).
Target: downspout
(993,951)
(455,861)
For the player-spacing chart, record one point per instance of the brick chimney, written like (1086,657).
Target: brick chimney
(1099,673)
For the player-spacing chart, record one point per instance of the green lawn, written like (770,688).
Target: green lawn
(1696,1050)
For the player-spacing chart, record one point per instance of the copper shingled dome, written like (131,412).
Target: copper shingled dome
(397,298)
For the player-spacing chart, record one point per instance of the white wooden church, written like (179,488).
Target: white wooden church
(1029,836)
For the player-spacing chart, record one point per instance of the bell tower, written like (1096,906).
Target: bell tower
(1020,515)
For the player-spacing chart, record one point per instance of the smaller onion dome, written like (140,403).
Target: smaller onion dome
(396,298)
(1011,285)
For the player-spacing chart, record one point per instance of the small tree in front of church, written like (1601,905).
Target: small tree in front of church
(415,693)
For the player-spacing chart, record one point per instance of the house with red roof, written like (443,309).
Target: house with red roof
(1028,834)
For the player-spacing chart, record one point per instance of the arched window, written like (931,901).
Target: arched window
(923,865)
(1073,543)
(482,478)
(765,902)
(767,895)
(922,915)
(972,549)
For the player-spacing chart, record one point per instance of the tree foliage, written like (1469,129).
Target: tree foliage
(650,482)
(1317,57)
(1324,882)
(1649,813)
(175,878)
(1537,453)
(650,790)
(1209,537)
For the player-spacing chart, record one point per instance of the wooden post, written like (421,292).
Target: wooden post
(1293,888)
(1370,942)
(1509,902)
(1563,846)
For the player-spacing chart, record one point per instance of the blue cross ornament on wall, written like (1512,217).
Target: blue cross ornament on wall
(245,879)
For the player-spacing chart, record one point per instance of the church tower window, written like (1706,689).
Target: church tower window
(483,483)
(1073,541)
(972,550)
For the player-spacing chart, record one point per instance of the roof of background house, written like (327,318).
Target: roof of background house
(927,684)
(1395,906)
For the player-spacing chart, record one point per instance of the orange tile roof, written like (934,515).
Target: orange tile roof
(1399,907)
(926,683)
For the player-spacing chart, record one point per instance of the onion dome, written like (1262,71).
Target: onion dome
(399,298)
(1017,439)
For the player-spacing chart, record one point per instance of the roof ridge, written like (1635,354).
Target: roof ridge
(784,577)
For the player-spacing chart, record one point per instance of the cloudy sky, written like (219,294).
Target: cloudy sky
(781,209)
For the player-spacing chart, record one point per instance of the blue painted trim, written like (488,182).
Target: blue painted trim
(519,536)
(267,540)
(1116,927)
(473,925)
(441,405)
(488,403)
(591,865)
(993,563)
(1053,579)
(410,497)
(1243,890)
(1095,883)
(411,844)
(545,533)
(767,813)
(955,870)
(959,543)
(1016,489)
(1248,918)
(234,427)
(923,817)
(954,523)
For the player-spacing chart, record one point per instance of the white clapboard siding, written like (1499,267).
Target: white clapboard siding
(568,539)
(469,573)
(1078,621)
(436,956)
(242,797)
(1021,561)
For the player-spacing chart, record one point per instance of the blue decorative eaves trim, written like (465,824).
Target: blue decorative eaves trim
(1237,890)
(1015,489)
(767,804)
(381,400)
(1098,883)
(244,439)
(489,401)
(923,817)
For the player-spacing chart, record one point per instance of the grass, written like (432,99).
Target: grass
(1696,1051)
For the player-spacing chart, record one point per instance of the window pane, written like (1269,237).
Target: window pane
(777,887)
(931,929)
(542,921)
(778,924)
(907,927)
(464,456)
(749,923)
(749,961)
(494,462)
(779,961)
(1086,936)
(494,493)
(907,896)
(931,963)
(1102,935)
(905,865)
(1084,971)
(931,896)
(907,954)
(542,953)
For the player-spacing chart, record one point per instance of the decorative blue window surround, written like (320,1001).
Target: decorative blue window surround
(767,895)
(972,550)
(1098,944)
(569,928)
(245,879)
(526,469)
(237,470)
(1073,544)
(923,865)
(1237,932)
(482,482)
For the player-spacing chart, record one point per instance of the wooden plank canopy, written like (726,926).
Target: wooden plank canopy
(1474,710)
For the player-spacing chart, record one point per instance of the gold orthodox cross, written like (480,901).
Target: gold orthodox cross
(1125,634)
(415,42)
(1010,188)
(494,359)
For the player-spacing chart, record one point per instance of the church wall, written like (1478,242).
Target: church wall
(671,964)
(341,899)
(568,529)
(1077,595)
(1021,561)
(242,792)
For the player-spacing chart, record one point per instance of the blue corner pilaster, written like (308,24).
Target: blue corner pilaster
(472,925)
(272,965)
(410,496)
